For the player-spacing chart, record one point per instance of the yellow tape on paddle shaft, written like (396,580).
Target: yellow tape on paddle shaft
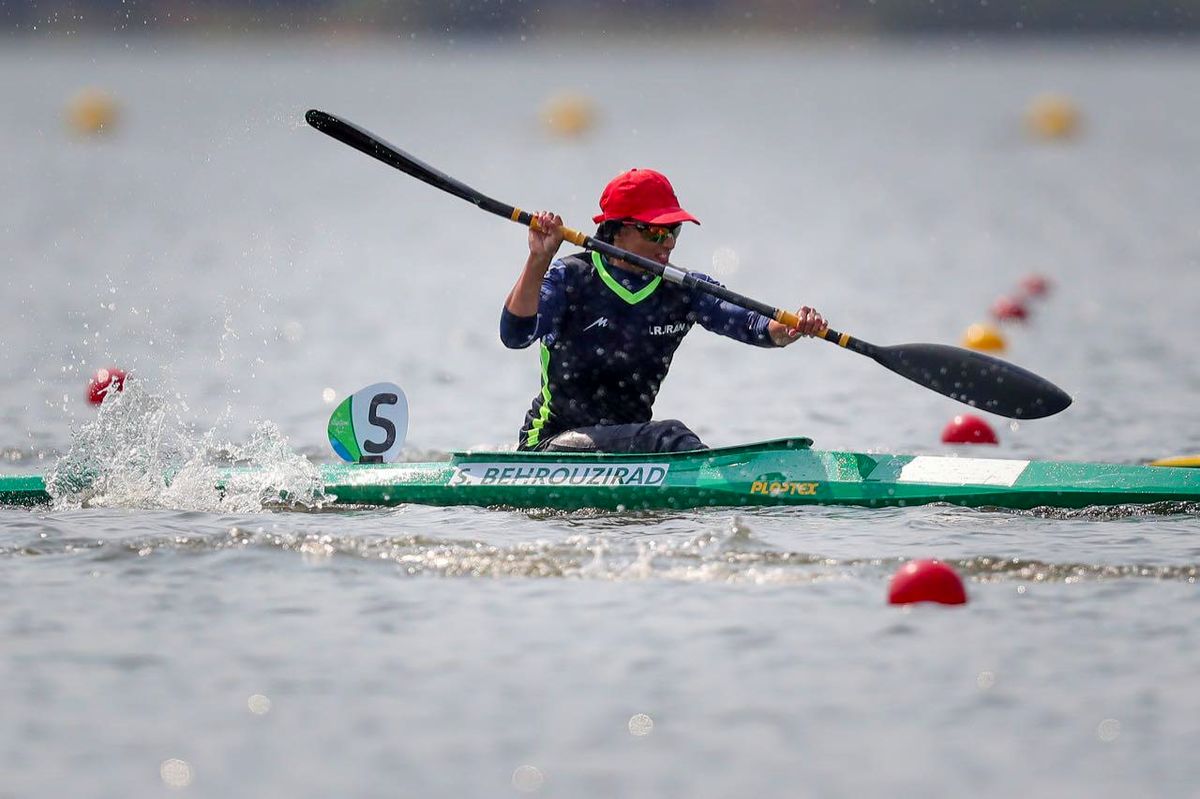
(789,319)
(573,236)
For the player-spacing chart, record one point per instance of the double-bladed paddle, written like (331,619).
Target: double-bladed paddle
(978,380)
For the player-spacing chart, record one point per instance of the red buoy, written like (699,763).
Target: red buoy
(1035,285)
(1006,309)
(105,380)
(926,581)
(968,429)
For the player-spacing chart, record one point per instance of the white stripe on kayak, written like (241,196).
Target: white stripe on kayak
(962,471)
(560,474)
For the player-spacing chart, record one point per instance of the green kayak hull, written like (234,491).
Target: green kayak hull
(781,472)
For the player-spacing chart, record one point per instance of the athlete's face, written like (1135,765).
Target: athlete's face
(649,241)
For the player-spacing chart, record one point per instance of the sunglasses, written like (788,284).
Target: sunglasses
(657,234)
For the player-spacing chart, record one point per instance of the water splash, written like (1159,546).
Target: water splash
(139,453)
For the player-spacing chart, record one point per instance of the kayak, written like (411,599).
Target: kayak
(781,472)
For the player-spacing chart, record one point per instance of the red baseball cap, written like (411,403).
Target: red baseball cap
(644,195)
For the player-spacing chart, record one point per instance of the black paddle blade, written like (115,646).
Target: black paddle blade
(978,380)
(367,142)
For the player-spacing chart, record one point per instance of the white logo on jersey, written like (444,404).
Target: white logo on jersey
(601,322)
(667,330)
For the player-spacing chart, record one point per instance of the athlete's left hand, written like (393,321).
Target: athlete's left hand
(811,324)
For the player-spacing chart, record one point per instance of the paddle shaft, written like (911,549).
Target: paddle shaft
(684,277)
(676,274)
(970,377)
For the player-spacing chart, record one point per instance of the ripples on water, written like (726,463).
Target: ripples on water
(381,644)
(618,547)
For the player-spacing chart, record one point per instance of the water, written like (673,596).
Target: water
(240,264)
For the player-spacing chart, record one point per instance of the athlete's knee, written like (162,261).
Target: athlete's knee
(675,436)
(571,441)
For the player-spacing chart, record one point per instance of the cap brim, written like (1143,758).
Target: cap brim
(669,216)
(661,216)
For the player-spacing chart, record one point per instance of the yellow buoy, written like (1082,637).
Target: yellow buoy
(985,338)
(1180,461)
(568,114)
(91,111)
(1052,116)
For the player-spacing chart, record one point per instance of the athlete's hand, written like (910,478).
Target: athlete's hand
(546,236)
(811,324)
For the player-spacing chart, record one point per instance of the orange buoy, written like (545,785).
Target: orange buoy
(569,115)
(1052,116)
(926,581)
(967,428)
(1179,462)
(107,380)
(91,111)
(985,338)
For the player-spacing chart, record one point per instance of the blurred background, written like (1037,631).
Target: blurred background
(495,17)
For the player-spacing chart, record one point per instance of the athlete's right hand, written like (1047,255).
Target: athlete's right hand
(546,237)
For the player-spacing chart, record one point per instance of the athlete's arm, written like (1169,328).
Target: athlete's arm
(752,327)
(518,332)
(734,321)
(544,240)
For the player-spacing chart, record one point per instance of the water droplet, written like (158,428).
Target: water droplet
(725,261)
(258,704)
(640,725)
(293,331)
(528,779)
(176,773)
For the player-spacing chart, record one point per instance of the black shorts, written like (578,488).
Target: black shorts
(669,435)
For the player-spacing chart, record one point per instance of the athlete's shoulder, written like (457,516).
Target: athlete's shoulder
(576,260)
(569,268)
(697,296)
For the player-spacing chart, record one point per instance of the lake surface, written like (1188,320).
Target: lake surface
(248,269)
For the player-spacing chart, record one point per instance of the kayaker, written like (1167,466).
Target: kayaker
(609,329)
